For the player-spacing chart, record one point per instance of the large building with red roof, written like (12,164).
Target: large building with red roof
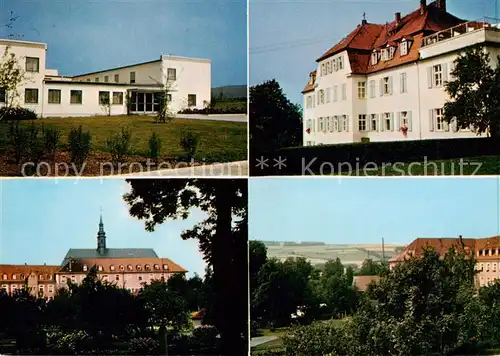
(127,268)
(385,82)
(486,252)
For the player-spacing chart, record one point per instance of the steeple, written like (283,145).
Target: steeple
(101,237)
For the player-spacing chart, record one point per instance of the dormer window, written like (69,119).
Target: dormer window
(112,267)
(165,267)
(122,267)
(99,268)
(148,267)
(391,52)
(156,267)
(374,58)
(139,267)
(85,268)
(404,48)
(384,54)
(129,267)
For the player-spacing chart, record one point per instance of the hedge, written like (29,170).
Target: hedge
(217,111)
(322,159)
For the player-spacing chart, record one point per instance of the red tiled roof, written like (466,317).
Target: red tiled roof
(366,38)
(106,264)
(362,282)
(310,83)
(27,270)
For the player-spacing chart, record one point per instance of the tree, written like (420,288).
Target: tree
(12,76)
(257,258)
(275,122)
(222,238)
(373,268)
(474,93)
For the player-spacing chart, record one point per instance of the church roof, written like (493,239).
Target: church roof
(109,253)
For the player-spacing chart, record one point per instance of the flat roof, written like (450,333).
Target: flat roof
(116,68)
(30,43)
(75,82)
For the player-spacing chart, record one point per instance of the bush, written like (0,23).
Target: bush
(189,143)
(214,111)
(80,144)
(320,338)
(205,334)
(144,346)
(119,145)
(254,328)
(68,343)
(36,147)
(17,114)
(18,139)
(326,157)
(51,138)
(154,147)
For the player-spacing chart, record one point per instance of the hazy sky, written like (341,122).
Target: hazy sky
(86,36)
(41,219)
(287,36)
(365,210)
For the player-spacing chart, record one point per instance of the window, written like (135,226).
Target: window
(156,267)
(169,98)
(335,93)
(85,268)
(97,79)
(129,267)
(132,77)
(3,95)
(4,276)
(309,102)
(112,267)
(341,62)
(117,277)
(140,278)
(32,64)
(117,78)
(344,91)
(372,88)
(438,115)
(374,58)
(50,289)
(76,97)
(391,52)
(361,90)
(404,48)
(362,123)
(321,97)
(31,96)
(335,65)
(345,123)
(14,276)
(88,79)
(165,267)
(328,67)
(374,122)
(328,94)
(403,84)
(117,98)
(99,268)
(437,75)
(104,97)
(335,123)
(191,99)
(171,74)
(73,278)
(54,96)
(386,85)
(323,69)
(320,124)
(405,119)
(139,267)
(385,54)
(40,277)
(40,288)
(387,121)
(106,79)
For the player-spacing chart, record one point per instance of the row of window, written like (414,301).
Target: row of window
(488,252)
(385,122)
(41,288)
(386,87)
(54,96)
(386,54)
(492,266)
(333,65)
(22,276)
(171,76)
(146,267)
(337,123)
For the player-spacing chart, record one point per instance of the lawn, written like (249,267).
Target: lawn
(481,165)
(219,141)
(229,104)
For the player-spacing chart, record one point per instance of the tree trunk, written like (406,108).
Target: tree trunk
(163,340)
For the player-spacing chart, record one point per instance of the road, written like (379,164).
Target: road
(236,169)
(256,341)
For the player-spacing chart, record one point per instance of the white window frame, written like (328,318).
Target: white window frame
(386,86)
(438,119)
(405,118)
(372,88)
(404,48)
(362,90)
(437,75)
(345,124)
(335,124)
(387,121)
(328,95)
(362,126)
(392,50)
(374,122)
(374,58)
(335,93)
(321,97)
(403,82)
(341,62)
(344,91)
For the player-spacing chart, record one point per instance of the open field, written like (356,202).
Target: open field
(319,254)
(220,141)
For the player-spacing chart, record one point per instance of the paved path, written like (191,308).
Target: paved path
(256,341)
(210,170)
(222,117)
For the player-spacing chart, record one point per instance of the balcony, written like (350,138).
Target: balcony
(486,29)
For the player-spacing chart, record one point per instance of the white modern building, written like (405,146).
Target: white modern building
(188,81)
(386,82)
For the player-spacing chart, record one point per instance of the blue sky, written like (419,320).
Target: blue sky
(41,219)
(287,36)
(86,36)
(361,211)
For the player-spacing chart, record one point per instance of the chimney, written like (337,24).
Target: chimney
(441,4)
(423,6)
(397,17)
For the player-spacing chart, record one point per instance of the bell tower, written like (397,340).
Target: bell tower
(101,238)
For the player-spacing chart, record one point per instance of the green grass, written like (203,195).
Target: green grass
(481,165)
(220,141)
(230,104)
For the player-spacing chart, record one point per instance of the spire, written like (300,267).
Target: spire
(101,237)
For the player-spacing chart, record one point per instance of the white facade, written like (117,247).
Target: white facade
(346,107)
(188,81)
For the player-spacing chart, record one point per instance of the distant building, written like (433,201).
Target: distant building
(486,251)
(127,268)
(362,282)
(140,85)
(385,82)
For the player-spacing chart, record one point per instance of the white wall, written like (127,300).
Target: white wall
(146,73)
(193,76)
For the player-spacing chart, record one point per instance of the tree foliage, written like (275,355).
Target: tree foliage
(275,122)
(474,93)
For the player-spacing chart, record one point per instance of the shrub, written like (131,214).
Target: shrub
(18,138)
(119,145)
(80,144)
(154,147)
(68,343)
(35,147)
(51,137)
(17,114)
(319,338)
(205,334)
(189,143)
(144,346)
